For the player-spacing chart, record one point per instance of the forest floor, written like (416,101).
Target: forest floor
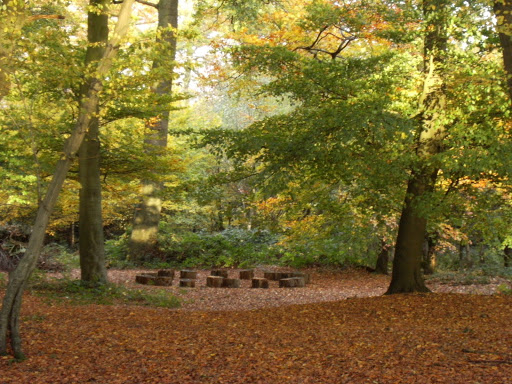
(339,329)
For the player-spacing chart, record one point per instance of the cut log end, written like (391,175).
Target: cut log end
(259,282)
(292,282)
(188,274)
(219,272)
(147,279)
(246,274)
(214,281)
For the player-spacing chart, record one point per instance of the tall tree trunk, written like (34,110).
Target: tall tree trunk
(91,241)
(9,315)
(381,266)
(507,257)
(407,276)
(143,240)
(503,12)
(429,255)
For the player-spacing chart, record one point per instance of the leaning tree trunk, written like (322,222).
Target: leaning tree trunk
(407,276)
(91,242)
(9,315)
(143,240)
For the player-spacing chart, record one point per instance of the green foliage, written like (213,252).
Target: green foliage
(233,247)
(79,293)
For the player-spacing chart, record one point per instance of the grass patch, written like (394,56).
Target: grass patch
(78,293)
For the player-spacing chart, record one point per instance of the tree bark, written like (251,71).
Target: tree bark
(429,255)
(10,312)
(503,13)
(406,275)
(143,240)
(381,266)
(91,240)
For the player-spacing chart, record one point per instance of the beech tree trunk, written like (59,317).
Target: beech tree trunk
(381,266)
(143,240)
(91,241)
(10,312)
(407,276)
(503,12)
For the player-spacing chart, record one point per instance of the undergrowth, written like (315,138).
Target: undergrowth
(79,293)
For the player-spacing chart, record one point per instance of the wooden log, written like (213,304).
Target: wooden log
(187,283)
(166,272)
(214,281)
(230,283)
(270,275)
(259,282)
(246,274)
(283,275)
(292,282)
(219,272)
(305,276)
(154,280)
(188,274)
(144,279)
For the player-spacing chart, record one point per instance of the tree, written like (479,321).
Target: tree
(503,12)
(146,218)
(10,312)
(92,252)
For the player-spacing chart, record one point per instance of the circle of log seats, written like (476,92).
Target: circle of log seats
(166,272)
(214,281)
(259,282)
(305,276)
(230,283)
(187,283)
(219,272)
(154,280)
(246,274)
(292,282)
(188,274)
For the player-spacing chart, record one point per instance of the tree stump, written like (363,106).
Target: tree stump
(270,275)
(154,280)
(187,283)
(188,274)
(214,281)
(305,276)
(166,272)
(246,274)
(219,272)
(230,283)
(259,282)
(292,282)
(144,279)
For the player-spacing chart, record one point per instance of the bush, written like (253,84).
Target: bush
(82,294)
(232,247)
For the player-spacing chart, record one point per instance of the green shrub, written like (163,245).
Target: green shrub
(107,294)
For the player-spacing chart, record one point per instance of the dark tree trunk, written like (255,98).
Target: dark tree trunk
(9,315)
(507,256)
(143,240)
(503,12)
(91,241)
(407,276)
(429,255)
(381,266)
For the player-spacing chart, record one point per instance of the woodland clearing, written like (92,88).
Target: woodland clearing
(351,334)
